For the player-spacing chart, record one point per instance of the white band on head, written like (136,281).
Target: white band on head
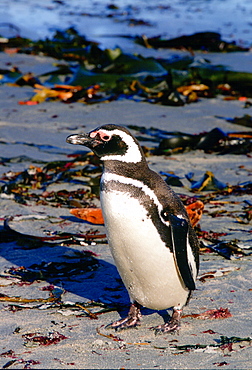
(132,155)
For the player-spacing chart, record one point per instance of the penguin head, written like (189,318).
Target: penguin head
(110,142)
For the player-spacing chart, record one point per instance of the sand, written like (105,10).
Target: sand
(48,124)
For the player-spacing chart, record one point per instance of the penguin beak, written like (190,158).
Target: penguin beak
(83,139)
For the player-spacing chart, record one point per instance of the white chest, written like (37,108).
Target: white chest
(144,262)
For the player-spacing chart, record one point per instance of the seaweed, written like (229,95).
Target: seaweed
(224,344)
(55,270)
(38,339)
(207,41)
(92,75)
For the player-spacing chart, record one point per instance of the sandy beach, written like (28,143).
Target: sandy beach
(83,342)
(59,287)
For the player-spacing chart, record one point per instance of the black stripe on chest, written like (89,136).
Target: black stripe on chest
(147,202)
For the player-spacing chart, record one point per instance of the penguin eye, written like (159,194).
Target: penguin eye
(165,215)
(104,136)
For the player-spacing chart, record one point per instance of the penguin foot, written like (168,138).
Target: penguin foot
(173,325)
(131,321)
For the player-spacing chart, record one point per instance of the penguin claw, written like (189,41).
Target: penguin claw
(131,321)
(171,326)
(125,323)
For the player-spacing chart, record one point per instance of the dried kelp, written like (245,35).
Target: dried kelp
(220,313)
(18,303)
(91,74)
(206,183)
(39,339)
(39,236)
(207,41)
(246,120)
(214,141)
(25,363)
(228,249)
(32,184)
(216,273)
(225,344)
(55,270)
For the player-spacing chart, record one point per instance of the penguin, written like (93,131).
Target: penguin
(154,246)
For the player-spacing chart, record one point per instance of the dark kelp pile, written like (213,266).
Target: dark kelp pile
(205,41)
(90,74)
(83,169)
(215,141)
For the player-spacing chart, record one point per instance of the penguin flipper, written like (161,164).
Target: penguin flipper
(179,233)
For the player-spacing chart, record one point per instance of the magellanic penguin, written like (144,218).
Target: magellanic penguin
(149,233)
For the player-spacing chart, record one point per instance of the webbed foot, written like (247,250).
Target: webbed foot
(173,325)
(131,321)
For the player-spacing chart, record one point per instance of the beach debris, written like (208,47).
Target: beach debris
(54,296)
(64,362)
(209,331)
(32,185)
(9,353)
(214,141)
(194,91)
(65,93)
(206,183)
(210,236)
(244,188)
(242,215)
(25,363)
(52,234)
(224,344)
(195,211)
(245,120)
(218,313)
(38,339)
(222,363)
(53,270)
(92,215)
(92,75)
(90,309)
(118,339)
(206,41)
(6,280)
(228,249)
(216,273)
(110,336)
(171,179)
(24,185)
(10,75)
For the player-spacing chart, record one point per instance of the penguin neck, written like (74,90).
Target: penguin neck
(133,170)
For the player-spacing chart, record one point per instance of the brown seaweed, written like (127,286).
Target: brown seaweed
(207,41)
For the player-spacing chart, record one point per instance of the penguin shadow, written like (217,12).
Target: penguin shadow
(87,277)
(99,282)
